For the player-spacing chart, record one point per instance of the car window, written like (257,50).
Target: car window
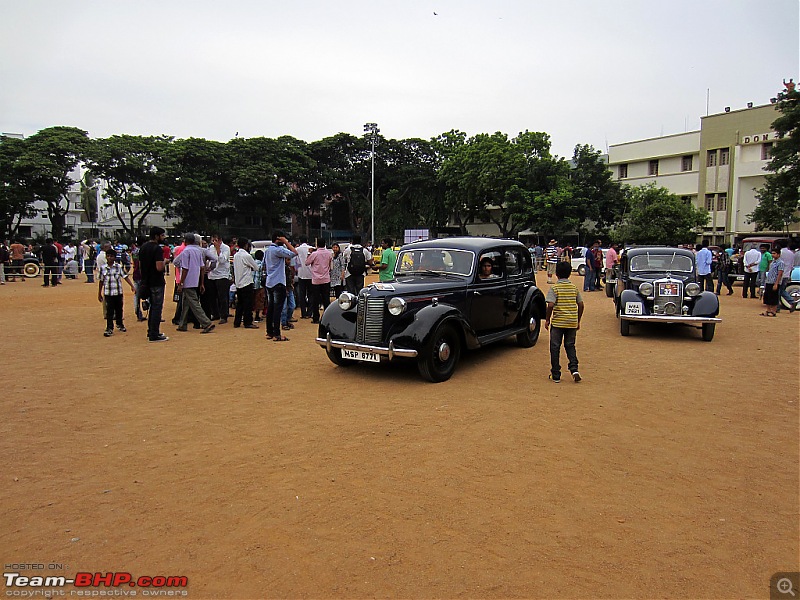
(516,263)
(437,260)
(661,262)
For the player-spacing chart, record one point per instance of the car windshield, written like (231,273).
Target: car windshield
(662,262)
(437,261)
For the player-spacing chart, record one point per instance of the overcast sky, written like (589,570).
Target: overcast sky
(585,71)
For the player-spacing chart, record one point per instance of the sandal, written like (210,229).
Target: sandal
(767,314)
(281,338)
(270,337)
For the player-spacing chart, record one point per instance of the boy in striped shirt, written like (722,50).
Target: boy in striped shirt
(564,312)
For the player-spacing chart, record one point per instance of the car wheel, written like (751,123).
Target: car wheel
(708,331)
(439,358)
(609,290)
(529,337)
(31,269)
(624,327)
(335,355)
(793,289)
(582,270)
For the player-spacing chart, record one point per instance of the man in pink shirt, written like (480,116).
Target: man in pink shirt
(612,258)
(319,260)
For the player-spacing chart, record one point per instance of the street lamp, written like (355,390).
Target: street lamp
(372,129)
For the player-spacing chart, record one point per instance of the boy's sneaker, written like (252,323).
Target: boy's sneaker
(576,376)
(122,328)
(161,338)
(554,379)
(108,332)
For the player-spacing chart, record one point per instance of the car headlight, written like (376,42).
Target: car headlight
(646,289)
(692,289)
(346,301)
(396,306)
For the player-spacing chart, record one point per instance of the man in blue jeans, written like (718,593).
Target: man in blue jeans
(151,290)
(275,266)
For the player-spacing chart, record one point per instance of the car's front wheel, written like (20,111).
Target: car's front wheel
(440,356)
(609,289)
(533,322)
(624,327)
(708,331)
(582,270)
(335,356)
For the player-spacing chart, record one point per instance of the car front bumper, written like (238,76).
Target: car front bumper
(671,319)
(390,351)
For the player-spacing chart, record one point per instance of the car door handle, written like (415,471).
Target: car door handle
(476,293)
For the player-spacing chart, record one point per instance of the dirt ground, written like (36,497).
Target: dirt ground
(261,470)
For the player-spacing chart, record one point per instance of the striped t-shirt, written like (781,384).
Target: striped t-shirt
(565,297)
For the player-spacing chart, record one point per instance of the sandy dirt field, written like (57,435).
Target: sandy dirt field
(261,470)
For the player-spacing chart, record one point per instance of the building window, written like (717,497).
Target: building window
(687,200)
(724,156)
(711,158)
(766,151)
(686,163)
(722,202)
(623,171)
(709,202)
(653,167)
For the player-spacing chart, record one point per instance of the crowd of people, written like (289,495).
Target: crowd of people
(210,277)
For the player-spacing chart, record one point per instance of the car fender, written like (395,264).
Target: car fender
(534,297)
(706,305)
(795,274)
(632,296)
(341,324)
(418,332)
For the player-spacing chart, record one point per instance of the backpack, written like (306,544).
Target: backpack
(357,264)
(92,252)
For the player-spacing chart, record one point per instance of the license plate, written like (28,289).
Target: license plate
(360,355)
(633,308)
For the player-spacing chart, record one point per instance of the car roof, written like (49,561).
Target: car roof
(476,244)
(659,250)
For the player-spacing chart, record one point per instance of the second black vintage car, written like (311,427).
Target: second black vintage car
(659,285)
(440,302)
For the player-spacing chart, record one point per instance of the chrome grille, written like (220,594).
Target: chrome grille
(668,305)
(369,325)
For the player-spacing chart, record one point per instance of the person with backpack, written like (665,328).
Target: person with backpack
(358,259)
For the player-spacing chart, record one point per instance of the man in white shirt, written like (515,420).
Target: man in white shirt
(303,291)
(244,265)
(751,260)
(220,278)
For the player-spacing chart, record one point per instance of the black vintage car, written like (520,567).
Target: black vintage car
(439,303)
(659,285)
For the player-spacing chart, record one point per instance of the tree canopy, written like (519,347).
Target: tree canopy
(779,199)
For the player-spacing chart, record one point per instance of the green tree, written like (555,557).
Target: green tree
(779,199)
(599,196)
(16,196)
(51,160)
(129,165)
(197,180)
(655,216)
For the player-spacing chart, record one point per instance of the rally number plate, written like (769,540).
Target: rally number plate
(360,355)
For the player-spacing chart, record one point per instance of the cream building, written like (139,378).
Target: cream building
(720,167)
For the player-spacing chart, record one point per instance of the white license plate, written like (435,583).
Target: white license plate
(633,308)
(360,355)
